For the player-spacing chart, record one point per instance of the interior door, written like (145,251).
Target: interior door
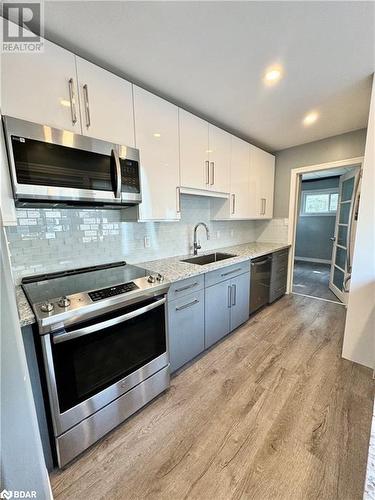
(344,232)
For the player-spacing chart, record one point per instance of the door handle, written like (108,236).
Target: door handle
(192,285)
(57,338)
(263,207)
(333,238)
(73,109)
(178,202)
(234,295)
(233,203)
(192,303)
(118,173)
(212,173)
(87,105)
(229,296)
(230,272)
(207,164)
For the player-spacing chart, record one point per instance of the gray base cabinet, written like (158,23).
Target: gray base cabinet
(226,307)
(205,308)
(186,328)
(217,307)
(239,312)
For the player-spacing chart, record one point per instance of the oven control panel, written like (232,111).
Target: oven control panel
(104,293)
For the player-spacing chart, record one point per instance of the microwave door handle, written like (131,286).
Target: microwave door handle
(117,173)
(74,334)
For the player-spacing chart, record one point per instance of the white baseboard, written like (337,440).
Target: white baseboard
(311,259)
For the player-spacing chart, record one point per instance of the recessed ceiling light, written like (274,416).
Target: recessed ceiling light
(157,134)
(273,75)
(310,118)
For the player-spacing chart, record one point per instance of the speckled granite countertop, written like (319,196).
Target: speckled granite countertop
(24,310)
(174,270)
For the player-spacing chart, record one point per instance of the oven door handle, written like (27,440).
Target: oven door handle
(57,338)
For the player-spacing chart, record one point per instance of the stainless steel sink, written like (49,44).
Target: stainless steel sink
(201,260)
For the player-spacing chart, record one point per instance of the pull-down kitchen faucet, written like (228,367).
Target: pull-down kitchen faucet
(196,245)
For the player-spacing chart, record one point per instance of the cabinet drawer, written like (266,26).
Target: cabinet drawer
(226,273)
(185,328)
(184,287)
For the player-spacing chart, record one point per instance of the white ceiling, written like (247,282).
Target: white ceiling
(210,57)
(322,174)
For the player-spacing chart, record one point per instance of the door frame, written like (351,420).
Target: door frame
(295,182)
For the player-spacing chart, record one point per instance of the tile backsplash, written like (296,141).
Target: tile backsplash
(52,240)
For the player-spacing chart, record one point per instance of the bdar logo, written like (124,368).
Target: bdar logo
(6,494)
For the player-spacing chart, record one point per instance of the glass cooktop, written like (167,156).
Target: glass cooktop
(51,286)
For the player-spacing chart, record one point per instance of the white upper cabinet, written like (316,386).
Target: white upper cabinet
(42,87)
(262,176)
(204,155)
(239,186)
(156,135)
(106,104)
(7,207)
(219,144)
(194,162)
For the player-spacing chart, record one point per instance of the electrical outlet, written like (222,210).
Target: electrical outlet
(147,242)
(217,235)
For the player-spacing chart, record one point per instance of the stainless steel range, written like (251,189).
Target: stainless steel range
(104,348)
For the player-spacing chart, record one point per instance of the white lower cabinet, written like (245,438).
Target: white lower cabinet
(186,328)
(156,131)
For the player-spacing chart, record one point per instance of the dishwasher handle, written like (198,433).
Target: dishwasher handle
(260,262)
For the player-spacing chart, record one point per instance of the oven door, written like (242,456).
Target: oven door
(96,361)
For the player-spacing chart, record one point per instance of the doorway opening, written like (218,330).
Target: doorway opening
(323,229)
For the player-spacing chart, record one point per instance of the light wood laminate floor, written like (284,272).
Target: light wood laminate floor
(312,278)
(271,412)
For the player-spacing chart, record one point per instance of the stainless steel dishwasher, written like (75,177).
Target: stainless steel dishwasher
(260,282)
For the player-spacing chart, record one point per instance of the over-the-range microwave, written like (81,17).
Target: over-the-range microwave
(52,167)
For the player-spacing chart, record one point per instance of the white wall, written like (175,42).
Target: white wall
(339,147)
(359,338)
(22,460)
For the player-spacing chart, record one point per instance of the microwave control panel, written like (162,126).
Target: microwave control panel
(130,176)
